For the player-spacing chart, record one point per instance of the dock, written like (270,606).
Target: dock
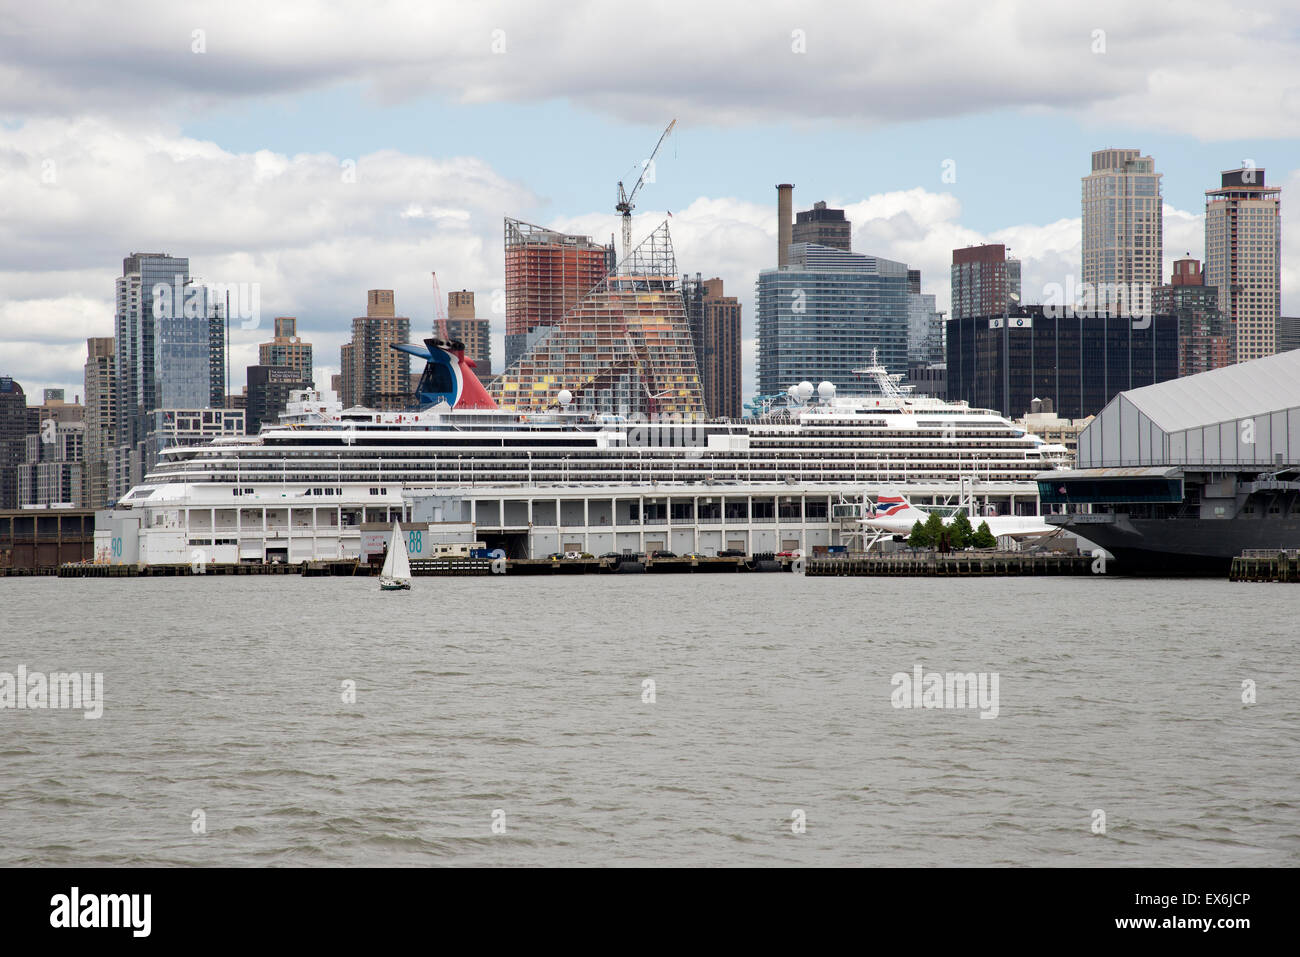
(431,567)
(1266,565)
(951,565)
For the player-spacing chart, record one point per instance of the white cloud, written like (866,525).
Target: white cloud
(1207,68)
(315,242)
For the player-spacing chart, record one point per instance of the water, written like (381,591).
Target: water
(772,693)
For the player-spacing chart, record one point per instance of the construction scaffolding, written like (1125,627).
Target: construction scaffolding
(547,273)
(625,348)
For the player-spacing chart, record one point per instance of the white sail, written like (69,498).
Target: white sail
(397,565)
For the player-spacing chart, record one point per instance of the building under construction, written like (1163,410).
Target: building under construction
(547,274)
(623,348)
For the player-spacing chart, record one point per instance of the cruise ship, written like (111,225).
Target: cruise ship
(532,483)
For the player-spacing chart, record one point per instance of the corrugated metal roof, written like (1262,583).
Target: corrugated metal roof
(1222,395)
(1112,472)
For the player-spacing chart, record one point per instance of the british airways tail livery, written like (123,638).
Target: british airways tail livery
(895,515)
(448,376)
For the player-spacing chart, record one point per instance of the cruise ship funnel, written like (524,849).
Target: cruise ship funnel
(448,376)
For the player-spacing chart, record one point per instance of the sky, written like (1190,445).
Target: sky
(318,149)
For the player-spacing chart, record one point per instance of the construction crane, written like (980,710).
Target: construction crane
(625,204)
(439,312)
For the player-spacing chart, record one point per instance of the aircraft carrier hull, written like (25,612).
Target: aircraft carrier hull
(1181,546)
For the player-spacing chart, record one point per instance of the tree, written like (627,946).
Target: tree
(935,530)
(983,538)
(960,531)
(918,538)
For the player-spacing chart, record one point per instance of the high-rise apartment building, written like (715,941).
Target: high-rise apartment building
(100,381)
(218,333)
(547,274)
(924,330)
(169,353)
(1206,339)
(823,314)
(17,421)
(375,375)
(625,348)
(53,471)
(476,333)
(825,227)
(714,320)
(287,349)
(137,329)
(985,281)
(1243,257)
(1123,222)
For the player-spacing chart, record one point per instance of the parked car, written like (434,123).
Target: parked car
(788,554)
(662,553)
(731,553)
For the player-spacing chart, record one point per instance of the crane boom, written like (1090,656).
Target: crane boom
(625,199)
(439,311)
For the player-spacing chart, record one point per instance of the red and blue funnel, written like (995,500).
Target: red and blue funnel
(448,376)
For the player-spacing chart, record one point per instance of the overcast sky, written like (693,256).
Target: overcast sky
(323,149)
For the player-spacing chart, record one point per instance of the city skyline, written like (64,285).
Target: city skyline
(317,187)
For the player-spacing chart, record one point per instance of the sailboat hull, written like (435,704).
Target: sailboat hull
(393,585)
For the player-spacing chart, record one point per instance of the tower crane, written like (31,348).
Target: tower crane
(439,311)
(625,199)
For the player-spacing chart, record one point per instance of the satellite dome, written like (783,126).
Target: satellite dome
(805,390)
(825,390)
(565,397)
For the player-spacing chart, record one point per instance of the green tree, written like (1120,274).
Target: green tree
(960,532)
(983,537)
(918,538)
(935,530)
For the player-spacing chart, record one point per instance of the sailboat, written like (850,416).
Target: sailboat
(396,573)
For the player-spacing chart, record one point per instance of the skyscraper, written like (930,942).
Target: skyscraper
(822,315)
(625,348)
(547,274)
(166,354)
(268,394)
(216,356)
(985,282)
(53,471)
(101,419)
(376,375)
(17,421)
(287,349)
(1079,363)
(1206,339)
(1123,223)
(924,329)
(825,227)
(148,339)
(714,320)
(475,333)
(1243,257)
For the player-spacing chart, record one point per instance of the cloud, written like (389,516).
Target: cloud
(315,233)
(1206,68)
